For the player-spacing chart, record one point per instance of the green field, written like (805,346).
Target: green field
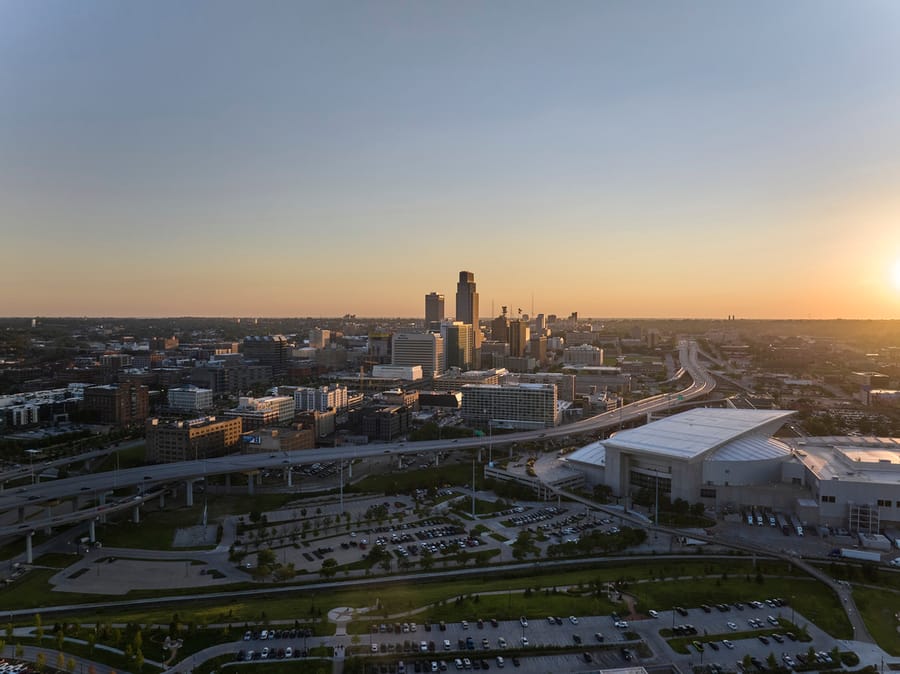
(425,478)
(880,609)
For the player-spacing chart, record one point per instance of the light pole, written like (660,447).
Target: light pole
(473,489)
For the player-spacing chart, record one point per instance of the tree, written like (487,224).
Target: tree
(772,661)
(265,560)
(70,664)
(40,660)
(329,567)
(427,560)
(20,650)
(38,627)
(60,660)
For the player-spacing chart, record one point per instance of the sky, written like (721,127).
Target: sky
(619,159)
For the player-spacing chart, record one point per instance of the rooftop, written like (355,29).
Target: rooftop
(697,432)
(851,459)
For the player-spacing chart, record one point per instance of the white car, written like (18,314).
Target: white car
(728,644)
(573,620)
(732,626)
(621,624)
(895,562)
(523,621)
(501,642)
(447,646)
(288,652)
(524,641)
(653,614)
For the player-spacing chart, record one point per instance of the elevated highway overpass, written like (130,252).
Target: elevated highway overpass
(147,479)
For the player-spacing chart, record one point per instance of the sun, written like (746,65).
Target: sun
(895,275)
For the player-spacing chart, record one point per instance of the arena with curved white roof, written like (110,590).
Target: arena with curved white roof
(729,459)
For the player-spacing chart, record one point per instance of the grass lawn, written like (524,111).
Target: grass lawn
(116,661)
(157,528)
(666,583)
(879,608)
(481,507)
(395,483)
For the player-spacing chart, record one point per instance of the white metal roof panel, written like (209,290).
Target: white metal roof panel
(693,433)
(593,454)
(751,448)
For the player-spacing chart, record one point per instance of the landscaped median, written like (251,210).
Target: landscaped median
(680,644)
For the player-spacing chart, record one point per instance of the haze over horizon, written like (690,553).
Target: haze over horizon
(619,159)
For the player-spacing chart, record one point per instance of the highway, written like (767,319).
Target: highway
(141,479)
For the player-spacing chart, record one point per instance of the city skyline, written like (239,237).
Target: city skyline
(638,160)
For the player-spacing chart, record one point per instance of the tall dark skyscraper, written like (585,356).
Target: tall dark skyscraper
(467,308)
(467,299)
(434,311)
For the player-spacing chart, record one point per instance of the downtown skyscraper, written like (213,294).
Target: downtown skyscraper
(467,309)
(434,311)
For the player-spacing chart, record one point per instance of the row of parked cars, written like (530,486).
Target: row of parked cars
(263,635)
(266,653)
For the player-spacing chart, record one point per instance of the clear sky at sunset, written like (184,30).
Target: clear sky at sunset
(641,159)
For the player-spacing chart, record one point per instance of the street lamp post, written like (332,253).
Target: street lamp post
(490,442)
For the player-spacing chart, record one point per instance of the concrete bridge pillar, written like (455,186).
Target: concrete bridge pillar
(350,468)
(437,459)
(189,495)
(103,502)
(136,514)
(290,477)
(399,461)
(162,499)
(92,531)
(29,553)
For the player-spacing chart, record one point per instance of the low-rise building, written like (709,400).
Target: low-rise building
(176,440)
(190,399)
(258,412)
(278,439)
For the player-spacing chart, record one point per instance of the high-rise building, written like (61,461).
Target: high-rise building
(521,406)
(467,308)
(319,338)
(538,348)
(419,348)
(467,301)
(271,350)
(500,329)
(434,311)
(459,344)
(518,337)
